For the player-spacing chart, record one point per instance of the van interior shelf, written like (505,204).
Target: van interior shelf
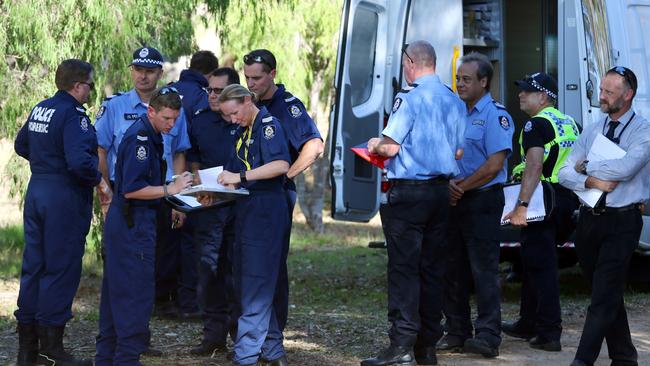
(476,42)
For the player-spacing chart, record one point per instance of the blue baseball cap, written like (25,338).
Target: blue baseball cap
(148,57)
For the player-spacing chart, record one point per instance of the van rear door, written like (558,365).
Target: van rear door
(358,111)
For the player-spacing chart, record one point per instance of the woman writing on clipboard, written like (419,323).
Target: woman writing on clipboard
(260,163)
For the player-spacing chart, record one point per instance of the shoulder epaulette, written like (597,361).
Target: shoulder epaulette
(498,105)
(408,88)
(448,87)
(142,135)
(200,111)
(81,110)
(290,99)
(109,97)
(267,119)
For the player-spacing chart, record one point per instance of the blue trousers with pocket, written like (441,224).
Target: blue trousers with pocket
(56,217)
(127,287)
(258,252)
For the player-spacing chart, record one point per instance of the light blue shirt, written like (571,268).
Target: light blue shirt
(489,130)
(118,113)
(428,121)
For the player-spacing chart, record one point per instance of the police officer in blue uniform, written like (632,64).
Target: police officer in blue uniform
(130,233)
(213,139)
(60,143)
(260,163)
(114,117)
(423,138)
(305,145)
(477,204)
(192,83)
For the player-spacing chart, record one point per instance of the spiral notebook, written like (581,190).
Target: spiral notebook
(536,209)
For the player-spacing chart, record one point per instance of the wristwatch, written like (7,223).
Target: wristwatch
(242,176)
(522,203)
(583,166)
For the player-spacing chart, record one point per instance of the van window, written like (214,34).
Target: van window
(639,47)
(599,58)
(362,55)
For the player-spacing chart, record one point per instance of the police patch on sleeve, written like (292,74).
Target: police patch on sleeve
(295,111)
(141,153)
(269,132)
(397,104)
(503,120)
(84,122)
(528,126)
(100,112)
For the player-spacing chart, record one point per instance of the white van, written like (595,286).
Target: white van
(576,41)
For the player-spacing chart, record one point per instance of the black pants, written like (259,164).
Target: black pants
(415,223)
(473,255)
(540,292)
(605,244)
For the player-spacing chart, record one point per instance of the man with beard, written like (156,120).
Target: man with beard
(608,233)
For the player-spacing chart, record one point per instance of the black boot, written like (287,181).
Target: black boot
(393,355)
(27,344)
(52,352)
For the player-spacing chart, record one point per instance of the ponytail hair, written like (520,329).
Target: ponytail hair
(236,92)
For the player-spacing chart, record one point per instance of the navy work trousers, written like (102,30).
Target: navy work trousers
(540,292)
(259,234)
(56,217)
(415,226)
(214,234)
(127,287)
(473,257)
(605,244)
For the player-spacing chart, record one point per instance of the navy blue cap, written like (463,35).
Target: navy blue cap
(147,57)
(539,82)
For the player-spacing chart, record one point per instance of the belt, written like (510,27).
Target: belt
(493,187)
(605,210)
(441,179)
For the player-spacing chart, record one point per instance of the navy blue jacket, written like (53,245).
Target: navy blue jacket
(191,85)
(212,138)
(58,138)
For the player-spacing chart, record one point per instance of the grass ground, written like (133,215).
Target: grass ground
(337,306)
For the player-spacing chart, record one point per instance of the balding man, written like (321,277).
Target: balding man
(423,138)
(608,234)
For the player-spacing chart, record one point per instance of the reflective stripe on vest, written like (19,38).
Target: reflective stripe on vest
(566,134)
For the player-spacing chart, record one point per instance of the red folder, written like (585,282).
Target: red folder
(374,159)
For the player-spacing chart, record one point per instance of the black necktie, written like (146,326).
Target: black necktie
(600,205)
(612,128)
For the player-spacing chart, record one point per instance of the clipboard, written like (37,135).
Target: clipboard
(362,151)
(537,207)
(187,203)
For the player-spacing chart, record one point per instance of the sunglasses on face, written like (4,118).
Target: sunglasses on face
(214,90)
(627,74)
(251,59)
(91,85)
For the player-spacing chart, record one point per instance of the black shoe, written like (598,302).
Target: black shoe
(189,316)
(280,361)
(208,348)
(27,344)
(450,344)
(165,310)
(425,355)
(577,362)
(152,352)
(52,351)
(393,355)
(545,345)
(481,347)
(517,330)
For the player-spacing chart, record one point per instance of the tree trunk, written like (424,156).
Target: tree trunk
(311,183)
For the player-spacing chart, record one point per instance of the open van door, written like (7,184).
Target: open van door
(358,112)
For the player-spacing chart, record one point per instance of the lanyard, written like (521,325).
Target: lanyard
(247,136)
(617,140)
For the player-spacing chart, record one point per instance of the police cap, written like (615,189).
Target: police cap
(539,82)
(147,57)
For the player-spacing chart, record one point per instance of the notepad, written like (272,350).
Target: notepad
(209,184)
(362,151)
(536,209)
